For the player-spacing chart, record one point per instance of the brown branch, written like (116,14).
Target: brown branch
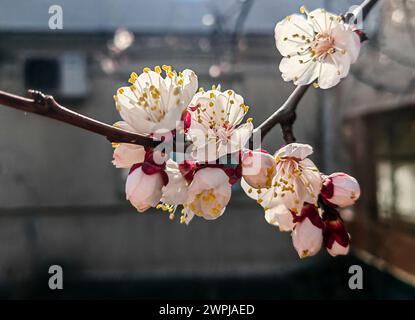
(285,116)
(46,106)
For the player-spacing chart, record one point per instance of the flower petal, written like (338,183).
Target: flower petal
(284,30)
(143,190)
(126,155)
(281,217)
(190,86)
(323,21)
(347,39)
(240,136)
(295,150)
(301,70)
(175,192)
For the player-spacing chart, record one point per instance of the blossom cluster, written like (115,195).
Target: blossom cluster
(165,104)
(298,198)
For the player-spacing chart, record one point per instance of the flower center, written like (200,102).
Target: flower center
(207,198)
(322,45)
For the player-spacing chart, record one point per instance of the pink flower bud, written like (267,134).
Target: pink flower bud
(308,232)
(187,120)
(336,238)
(143,190)
(258,169)
(340,189)
(338,250)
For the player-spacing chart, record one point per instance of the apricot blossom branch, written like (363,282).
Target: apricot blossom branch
(285,116)
(318,48)
(45,105)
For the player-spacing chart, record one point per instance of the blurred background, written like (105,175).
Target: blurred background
(62,202)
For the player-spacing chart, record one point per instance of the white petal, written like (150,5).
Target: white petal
(258,169)
(208,178)
(301,73)
(145,80)
(281,217)
(190,85)
(295,150)
(307,238)
(175,192)
(332,70)
(240,136)
(236,112)
(142,190)
(323,21)
(126,155)
(136,118)
(284,31)
(169,121)
(347,39)
(312,179)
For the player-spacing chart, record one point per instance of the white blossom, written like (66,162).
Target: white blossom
(153,103)
(208,194)
(215,128)
(296,181)
(317,47)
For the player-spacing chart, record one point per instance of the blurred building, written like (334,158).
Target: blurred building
(62,202)
(379,127)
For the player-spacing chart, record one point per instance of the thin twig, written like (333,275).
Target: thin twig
(46,106)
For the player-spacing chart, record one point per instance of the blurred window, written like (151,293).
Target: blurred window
(64,76)
(395,165)
(42,74)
